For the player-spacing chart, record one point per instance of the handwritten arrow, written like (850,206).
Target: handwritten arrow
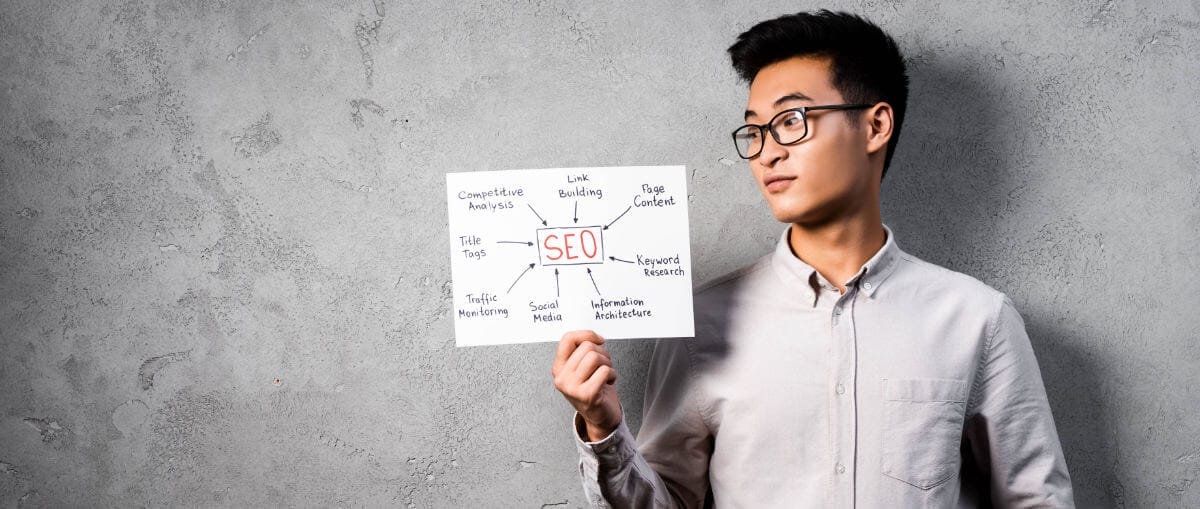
(615,259)
(576,211)
(557,293)
(618,217)
(539,216)
(514,242)
(593,281)
(519,278)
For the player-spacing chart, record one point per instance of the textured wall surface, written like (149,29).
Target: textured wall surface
(223,257)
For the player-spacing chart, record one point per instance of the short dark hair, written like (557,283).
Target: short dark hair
(866,63)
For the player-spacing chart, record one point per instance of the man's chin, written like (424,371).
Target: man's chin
(802,210)
(787,215)
(801,216)
(788,209)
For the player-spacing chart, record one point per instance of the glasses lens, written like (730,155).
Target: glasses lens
(748,140)
(790,127)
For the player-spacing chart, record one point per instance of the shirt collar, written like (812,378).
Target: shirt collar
(869,278)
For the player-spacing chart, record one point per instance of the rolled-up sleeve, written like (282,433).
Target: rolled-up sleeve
(667,465)
(1010,427)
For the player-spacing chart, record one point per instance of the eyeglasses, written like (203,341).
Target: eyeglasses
(788,127)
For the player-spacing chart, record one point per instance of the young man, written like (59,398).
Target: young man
(838,371)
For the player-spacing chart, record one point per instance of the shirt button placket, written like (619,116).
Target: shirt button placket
(845,418)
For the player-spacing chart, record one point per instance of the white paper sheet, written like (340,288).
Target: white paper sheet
(536,253)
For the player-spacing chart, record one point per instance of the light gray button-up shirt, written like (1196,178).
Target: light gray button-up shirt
(918,387)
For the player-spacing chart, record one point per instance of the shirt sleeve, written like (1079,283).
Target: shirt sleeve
(1010,427)
(667,465)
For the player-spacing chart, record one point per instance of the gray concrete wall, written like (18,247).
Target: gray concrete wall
(223,258)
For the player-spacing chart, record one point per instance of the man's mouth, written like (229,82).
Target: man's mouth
(777,183)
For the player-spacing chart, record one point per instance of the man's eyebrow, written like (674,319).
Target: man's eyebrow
(794,96)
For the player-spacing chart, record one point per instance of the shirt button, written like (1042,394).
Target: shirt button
(841,469)
(837,310)
(835,320)
(841,389)
(867,285)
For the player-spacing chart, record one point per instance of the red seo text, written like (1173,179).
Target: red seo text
(571,246)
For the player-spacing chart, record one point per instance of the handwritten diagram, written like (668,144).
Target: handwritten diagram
(536,253)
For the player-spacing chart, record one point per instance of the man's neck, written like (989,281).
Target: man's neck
(837,250)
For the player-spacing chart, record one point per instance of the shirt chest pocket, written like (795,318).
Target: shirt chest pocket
(922,429)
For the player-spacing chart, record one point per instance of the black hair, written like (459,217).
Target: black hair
(866,63)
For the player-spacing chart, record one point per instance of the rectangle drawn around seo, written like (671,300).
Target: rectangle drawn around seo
(536,253)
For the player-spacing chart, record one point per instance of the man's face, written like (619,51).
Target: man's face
(826,175)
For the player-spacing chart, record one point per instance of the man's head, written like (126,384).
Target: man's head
(820,59)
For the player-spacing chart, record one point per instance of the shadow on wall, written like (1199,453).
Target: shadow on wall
(944,196)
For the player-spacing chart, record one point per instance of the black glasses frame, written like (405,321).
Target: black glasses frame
(769,126)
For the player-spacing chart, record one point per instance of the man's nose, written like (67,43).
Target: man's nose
(772,152)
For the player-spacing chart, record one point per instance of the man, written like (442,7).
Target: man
(838,371)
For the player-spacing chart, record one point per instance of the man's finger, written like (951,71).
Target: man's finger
(603,375)
(588,365)
(570,341)
(580,353)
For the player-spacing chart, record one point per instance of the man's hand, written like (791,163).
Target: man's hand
(584,374)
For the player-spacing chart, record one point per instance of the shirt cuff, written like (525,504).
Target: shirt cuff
(613,449)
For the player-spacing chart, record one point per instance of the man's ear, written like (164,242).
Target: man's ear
(879,125)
